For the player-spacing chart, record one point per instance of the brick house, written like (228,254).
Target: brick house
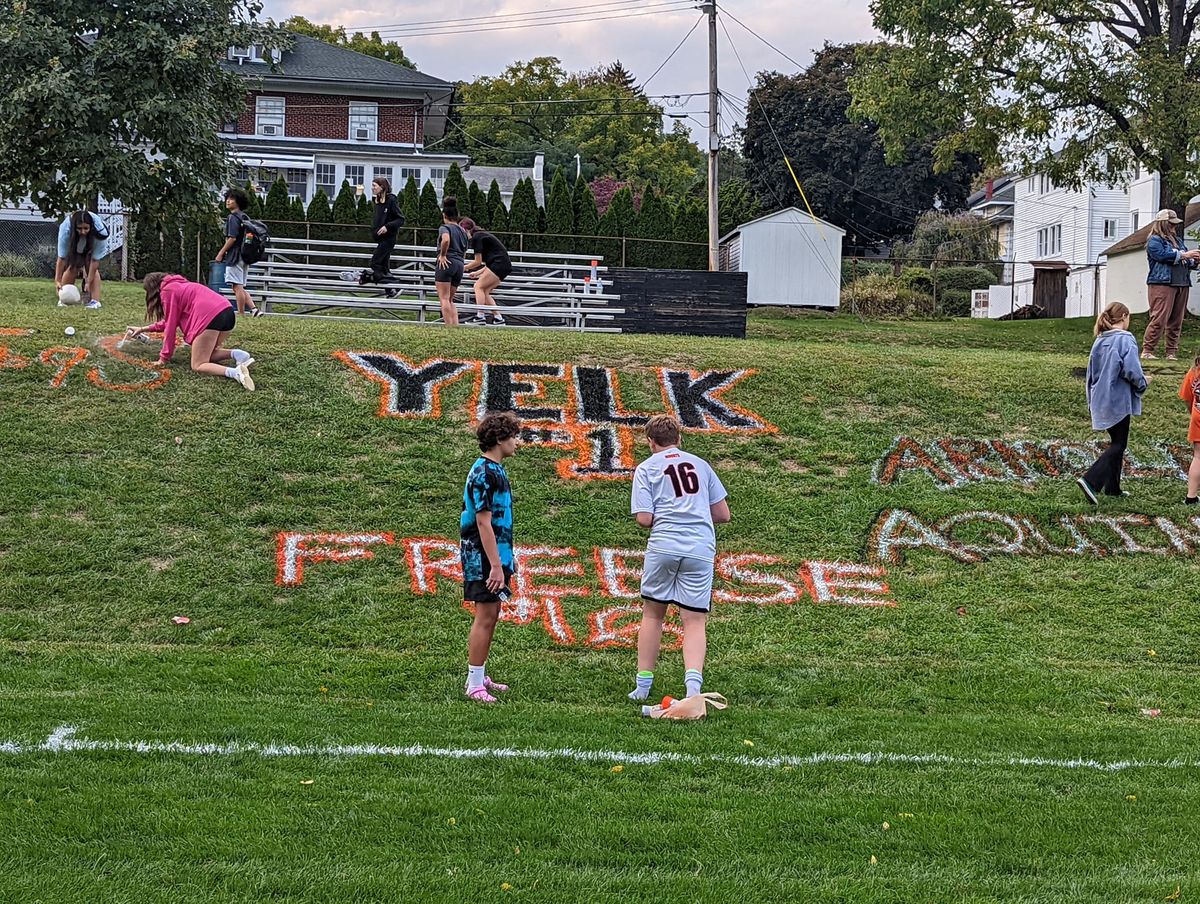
(326,114)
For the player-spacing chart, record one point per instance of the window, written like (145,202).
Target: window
(384,172)
(1136,215)
(437,175)
(1110,229)
(327,178)
(364,120)
(1049,240)
(230,127)
(241,175)
(355,174)
(405,172)
(268,116)
(1044,184)
(297,183)
(1032,184)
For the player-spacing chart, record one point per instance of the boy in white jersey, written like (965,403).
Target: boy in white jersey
(679,498)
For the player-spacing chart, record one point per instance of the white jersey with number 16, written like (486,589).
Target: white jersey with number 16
(678,489)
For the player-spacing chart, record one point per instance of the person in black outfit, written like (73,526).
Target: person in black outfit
(490,266)
(448,274)
(384,226)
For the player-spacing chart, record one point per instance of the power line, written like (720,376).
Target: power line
(667,7)
(552,11)
(726,12)
(672,53)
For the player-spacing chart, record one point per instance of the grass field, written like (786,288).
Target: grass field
(982,739)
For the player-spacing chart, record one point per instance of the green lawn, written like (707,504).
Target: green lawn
(986,678)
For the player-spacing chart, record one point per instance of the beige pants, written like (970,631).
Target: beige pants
(1168,304)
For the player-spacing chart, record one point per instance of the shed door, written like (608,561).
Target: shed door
(1050,291)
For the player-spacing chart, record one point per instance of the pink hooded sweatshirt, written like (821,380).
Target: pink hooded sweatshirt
(187,306)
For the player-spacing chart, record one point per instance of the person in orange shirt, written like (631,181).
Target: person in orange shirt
(1190,393)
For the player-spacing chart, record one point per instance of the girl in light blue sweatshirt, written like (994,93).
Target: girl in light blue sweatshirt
(1115,384)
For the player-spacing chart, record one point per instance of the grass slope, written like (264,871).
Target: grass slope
(109,527)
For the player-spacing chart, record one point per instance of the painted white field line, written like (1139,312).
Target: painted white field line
(64,739)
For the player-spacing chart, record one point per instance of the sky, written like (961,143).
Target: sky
(598,37)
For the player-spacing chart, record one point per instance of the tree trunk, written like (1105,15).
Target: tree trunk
(1167,198)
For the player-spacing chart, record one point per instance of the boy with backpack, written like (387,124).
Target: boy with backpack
(236,203)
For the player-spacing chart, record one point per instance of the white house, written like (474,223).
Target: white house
(1059,236)
(994,205)
(790,258)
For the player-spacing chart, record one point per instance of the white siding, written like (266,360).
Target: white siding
(790,259)
(1126,280)
(1081,214)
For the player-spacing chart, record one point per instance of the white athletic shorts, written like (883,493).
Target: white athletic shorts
(235,275)
(682,580)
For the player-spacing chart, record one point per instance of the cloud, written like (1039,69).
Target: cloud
(641,43)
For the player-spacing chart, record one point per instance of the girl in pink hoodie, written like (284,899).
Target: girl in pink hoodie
(206,320)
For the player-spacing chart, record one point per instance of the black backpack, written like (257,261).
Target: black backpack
(254,241)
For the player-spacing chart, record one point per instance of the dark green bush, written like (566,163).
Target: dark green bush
(853,269)
(878,295)
(954,302)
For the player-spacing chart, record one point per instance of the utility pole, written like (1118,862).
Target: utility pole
(714,136)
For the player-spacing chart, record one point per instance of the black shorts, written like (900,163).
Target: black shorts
(477,591)
(452,274)
(502,269)
(223,322)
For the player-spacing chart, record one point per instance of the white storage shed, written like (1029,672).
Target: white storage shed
(789,258)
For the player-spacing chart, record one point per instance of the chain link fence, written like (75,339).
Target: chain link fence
(29,247)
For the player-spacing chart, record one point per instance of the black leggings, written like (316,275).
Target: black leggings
(381,260)
(1105,474)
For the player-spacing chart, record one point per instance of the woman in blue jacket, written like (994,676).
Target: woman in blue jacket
(1167,284)
(1115,384)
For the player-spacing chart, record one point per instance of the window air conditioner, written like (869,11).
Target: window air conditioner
(239,53)
(362,134)
(269,130)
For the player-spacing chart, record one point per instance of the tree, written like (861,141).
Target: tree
(345,205)
(319,212)
(523,214)
(948,239)
(839,162)
(498,213)
(654,221)
(560,216)
(691,225)
(318,208)
(587,221)
(371,45)
(127,112)
(429,212)
(410,202)
(277,209)
(476,207)
(366,209)
(603,190)
(495,201)
(1075,90)
(623,211)
(295,225)
(455,186)
(538,107)
(736,204)
(255,206)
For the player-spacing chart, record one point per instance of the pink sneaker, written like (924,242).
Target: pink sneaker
(494,685)
(480,695)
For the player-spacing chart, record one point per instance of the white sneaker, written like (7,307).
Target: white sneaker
(244,377)
(93,305)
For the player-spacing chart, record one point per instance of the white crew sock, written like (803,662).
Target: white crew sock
(475,675)
(694,681)
(232,373)
(240,356)
(645,680)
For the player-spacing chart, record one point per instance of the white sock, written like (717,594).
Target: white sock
(645,680)
(694,681)
(232,373)
(240,356)
(475,676)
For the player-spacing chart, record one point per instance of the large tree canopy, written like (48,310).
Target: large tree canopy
(537,107)
(120,99)
(840,162)
(371,45)
(1077,89)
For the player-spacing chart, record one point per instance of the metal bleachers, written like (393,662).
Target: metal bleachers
(305,278)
